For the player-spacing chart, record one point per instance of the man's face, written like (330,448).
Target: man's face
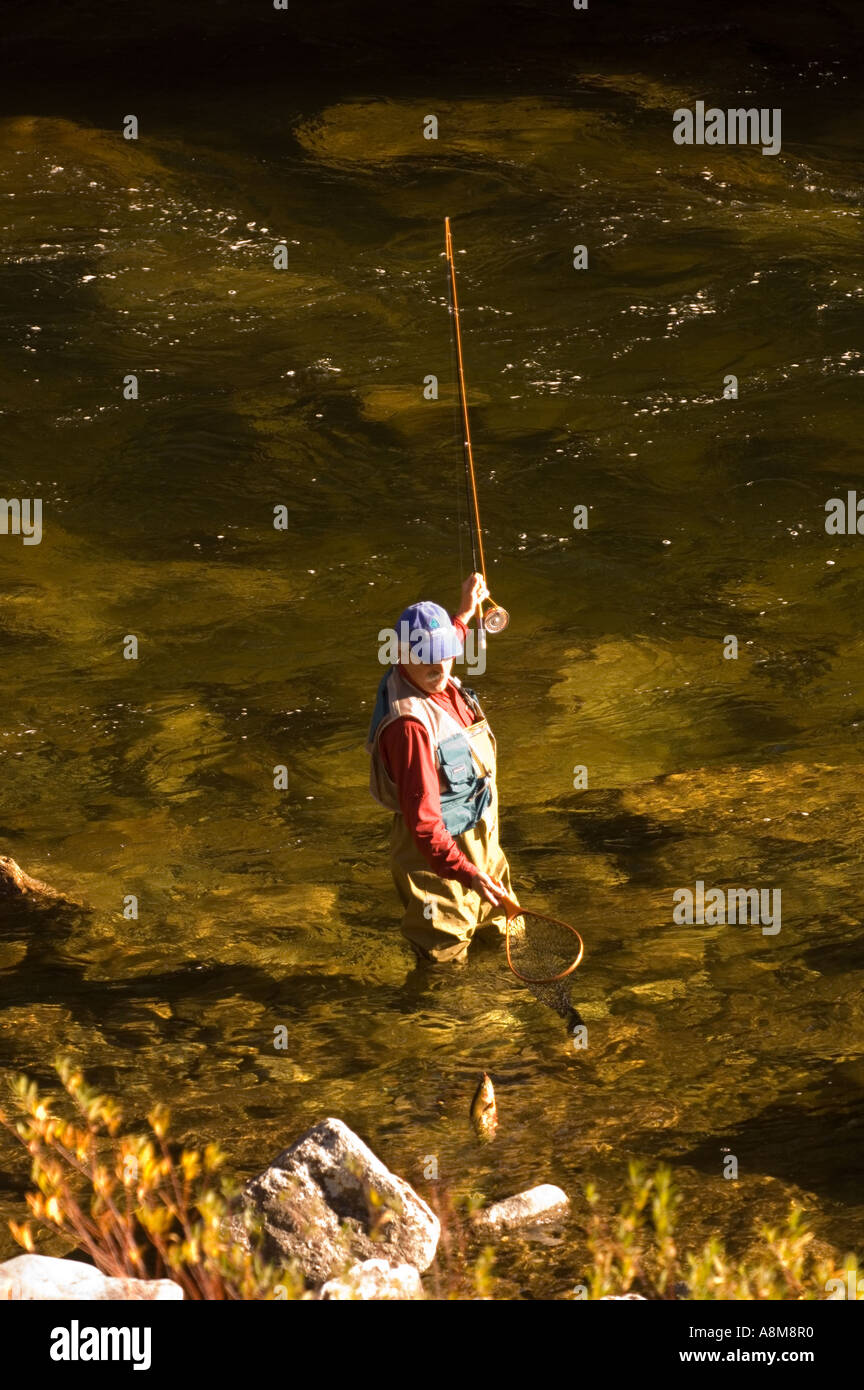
(431,675)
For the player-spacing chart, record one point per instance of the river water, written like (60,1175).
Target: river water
(303,387)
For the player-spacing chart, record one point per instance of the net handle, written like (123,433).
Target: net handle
(513,909)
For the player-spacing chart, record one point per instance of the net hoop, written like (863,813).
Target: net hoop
(541,979)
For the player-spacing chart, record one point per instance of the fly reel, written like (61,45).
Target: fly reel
(495,619)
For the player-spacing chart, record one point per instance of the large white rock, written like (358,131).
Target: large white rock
(530,1208)
(327,1201)
(33,1277)
(375,1279)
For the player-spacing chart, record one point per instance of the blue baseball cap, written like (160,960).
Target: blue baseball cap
(426,634)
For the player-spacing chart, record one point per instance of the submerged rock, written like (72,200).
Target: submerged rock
(18,886)
(374,1279)
(44,1277)
(328,1200)
(532,131)
(531,1208)
(644,91)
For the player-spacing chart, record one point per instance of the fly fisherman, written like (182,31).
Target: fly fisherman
(433,765)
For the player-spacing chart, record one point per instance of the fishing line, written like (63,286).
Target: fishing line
(535,944)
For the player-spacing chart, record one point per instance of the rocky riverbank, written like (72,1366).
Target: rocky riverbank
(329,1212)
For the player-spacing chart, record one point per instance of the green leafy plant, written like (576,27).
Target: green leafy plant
(635,1251)
(137,1204)
(456,1275)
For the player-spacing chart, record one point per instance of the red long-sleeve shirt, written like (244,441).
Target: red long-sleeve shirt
(407,752)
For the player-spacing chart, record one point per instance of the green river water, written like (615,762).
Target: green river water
(304,387)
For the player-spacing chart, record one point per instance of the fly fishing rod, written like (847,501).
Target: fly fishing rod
(495,618)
